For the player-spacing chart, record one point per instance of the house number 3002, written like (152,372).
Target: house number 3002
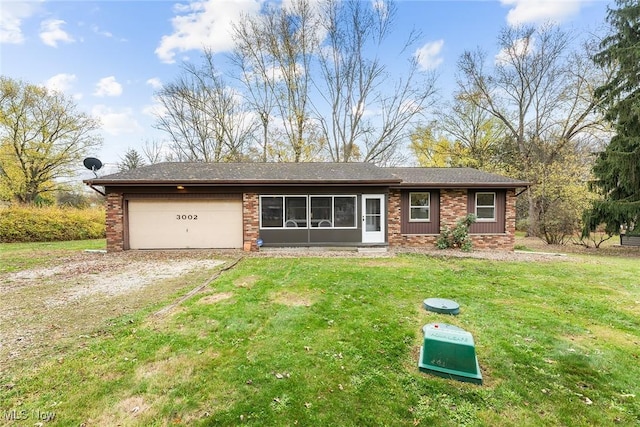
(186,217)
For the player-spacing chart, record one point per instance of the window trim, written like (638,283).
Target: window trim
(308,218)
(495,198)
(428,193)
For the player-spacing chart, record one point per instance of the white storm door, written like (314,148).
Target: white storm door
(373,218)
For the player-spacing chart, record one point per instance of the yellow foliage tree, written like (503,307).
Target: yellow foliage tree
(429,149)
(42,138)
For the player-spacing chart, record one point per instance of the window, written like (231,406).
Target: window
(333,211)
(271,211)
(486,206)
(419,207)
(345,211)
(308,211)
(321,213)
(283,211)
(296,211)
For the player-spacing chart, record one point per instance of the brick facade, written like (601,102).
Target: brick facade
(453,206)
(115,222)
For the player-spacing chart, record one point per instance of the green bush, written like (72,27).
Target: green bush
(48,224)
(459,236)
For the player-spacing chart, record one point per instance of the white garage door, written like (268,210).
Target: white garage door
(181,224)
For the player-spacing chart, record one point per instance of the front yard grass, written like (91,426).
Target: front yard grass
(335,342)
(20,256)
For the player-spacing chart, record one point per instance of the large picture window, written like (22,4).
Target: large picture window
(283,211)
(486,206)
(419,207)
(333,211)
(308,211)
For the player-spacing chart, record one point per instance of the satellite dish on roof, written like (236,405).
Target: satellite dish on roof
(92,164)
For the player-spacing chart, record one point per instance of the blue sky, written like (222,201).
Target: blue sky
(111,56)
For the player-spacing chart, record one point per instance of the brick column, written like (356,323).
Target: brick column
(510,219)
(115,222)
(250,221)
(394,218)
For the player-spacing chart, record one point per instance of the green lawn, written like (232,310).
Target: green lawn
(20,256)
(335,342)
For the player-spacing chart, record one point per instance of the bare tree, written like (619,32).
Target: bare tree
(277,47)
(153,151)
(204,117)
(541,91)
(250,59)
(353,82)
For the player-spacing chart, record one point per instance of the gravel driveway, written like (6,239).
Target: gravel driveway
(76,295)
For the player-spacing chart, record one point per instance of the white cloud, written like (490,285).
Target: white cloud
(61,82)
(428,55)
(201,24)
(13,13)
(116,122)
(155,83)
(539,11)
(101,32)
(51,32)
(108,86)
(519,48)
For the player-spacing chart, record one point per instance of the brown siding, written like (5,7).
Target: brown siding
(431,227)
(485,227)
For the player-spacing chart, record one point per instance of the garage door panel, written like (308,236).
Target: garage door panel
(162,224)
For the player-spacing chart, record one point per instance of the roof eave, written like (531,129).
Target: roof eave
(204,183)
(464,185)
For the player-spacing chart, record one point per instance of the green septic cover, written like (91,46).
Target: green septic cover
(449,352)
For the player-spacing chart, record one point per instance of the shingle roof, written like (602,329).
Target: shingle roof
(250,173)
(453,177)
(171,173)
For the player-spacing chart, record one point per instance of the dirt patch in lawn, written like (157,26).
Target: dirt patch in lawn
(293,299)
(76,295)
(246,282)
(123,412)
(214,298)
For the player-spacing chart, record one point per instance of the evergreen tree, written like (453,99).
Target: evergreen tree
(617,168)
(131,160)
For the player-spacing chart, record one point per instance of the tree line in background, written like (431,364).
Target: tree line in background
(306,83)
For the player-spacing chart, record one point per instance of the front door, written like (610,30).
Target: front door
(373,218)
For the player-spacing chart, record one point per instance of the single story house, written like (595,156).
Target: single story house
(249,205)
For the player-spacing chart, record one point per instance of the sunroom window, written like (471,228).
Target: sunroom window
(333,211)
(296,211)
(271,211)
(308,211)
(419,207)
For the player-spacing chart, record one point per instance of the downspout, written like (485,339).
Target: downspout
(97,190)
